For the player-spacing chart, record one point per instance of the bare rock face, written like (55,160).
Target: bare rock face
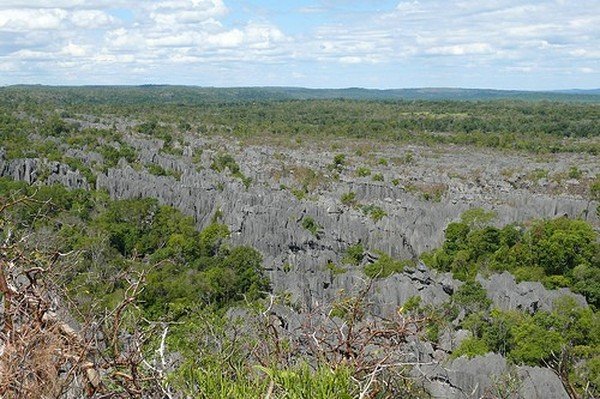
(20,169)
(528,296)
(463,378)
(540,383)
(32,170)
(488,376)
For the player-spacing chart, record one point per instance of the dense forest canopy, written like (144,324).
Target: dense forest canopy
(197,95)
(507,123)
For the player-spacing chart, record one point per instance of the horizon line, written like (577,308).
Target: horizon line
(306,87)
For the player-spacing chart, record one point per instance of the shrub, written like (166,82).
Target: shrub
(374,212)
(574,173)
(534,344)
(595,189)
(354,254)
(413,303)
(307,178)
(349,198)
(477,217)
(363,171)
(226,161)
(299,193)
(335,269)
(472,297)
(311,225)
(385,266)
(471,347)
(339,161)
(433,192)
(537,174)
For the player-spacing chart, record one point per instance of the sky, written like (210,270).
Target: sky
(502,44)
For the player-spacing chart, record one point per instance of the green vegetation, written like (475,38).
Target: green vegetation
(354,254)
(339,161)
(477,217)
(471,297)
(559,252)
(537,174)
(363,171)
(185,269)
(574,173)
(164,112)
(349,198)
(56,136)
(427,191)
(311,225)
(226,161)
(568,332)
(158,170)
(299,382)
(374,212)
(300,194)
(385,266)
(565,339)
(189,281)
(307,180)
(595,189)
(335,269)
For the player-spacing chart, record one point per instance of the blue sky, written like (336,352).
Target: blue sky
(504,44)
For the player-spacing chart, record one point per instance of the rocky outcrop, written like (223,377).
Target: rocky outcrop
(487,377)
(32,170)
(528,296)
(306,267)
(540,383)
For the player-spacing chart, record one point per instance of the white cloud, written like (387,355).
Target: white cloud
(114,58)
(408,6)
(261,36)
(8,66)
(33,4)
(232,38)
(121,38)
(351,60)
(210,7)
(18,20)
(74,50)
(162,35)
(179,17)
(31,55)
(586,53)
(185,39)
(461,49)
(91,19)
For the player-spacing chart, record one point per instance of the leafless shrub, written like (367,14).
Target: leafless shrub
(45,355)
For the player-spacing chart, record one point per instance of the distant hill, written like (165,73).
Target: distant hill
(591,92)
(189,95)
